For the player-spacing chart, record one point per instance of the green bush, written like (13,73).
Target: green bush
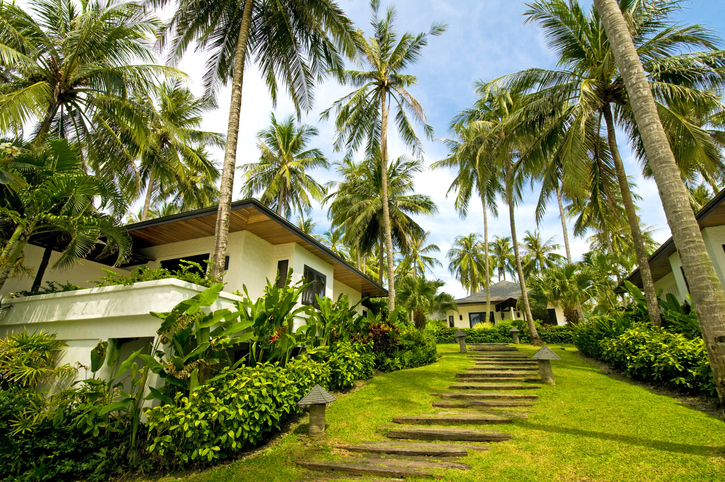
(556,334)
(190,272)
(588,336)
(236,410)
(306,373)
(52,287)
(414,348)
(652,354)
(349,362)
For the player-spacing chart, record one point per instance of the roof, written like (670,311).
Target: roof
(712,214)
(501,291)
(545,354)
(252,216)
(316,396)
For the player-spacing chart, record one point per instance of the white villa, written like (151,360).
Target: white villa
(504,296)
(261,246)
(665,264)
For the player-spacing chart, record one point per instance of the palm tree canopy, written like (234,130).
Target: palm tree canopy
(281,176)
(417,260)
(503,256)
(540,254)
(466,261)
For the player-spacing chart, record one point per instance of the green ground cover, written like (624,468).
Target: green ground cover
(588,427)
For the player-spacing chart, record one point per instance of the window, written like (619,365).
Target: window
(474,318)
(450,321)
(282,272)
(317,282)
(175,263)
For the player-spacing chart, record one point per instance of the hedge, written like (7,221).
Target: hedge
(501,333)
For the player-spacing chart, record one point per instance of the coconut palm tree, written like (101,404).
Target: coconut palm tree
(63,57)
(56,207)
(358,207)
(540,254)
(306,225)
(502,254)
(421,297)
(334,238)
(293,43)
(466,261)
(472,175)
(416,260)
(589,93)
(363,114)
(567,286)
(706,290)
(281,176)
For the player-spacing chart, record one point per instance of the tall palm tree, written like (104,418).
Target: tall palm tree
(363,113)
(334,238)
(540,254)
(568,286)
(417,260)
(503,257)
(281,175)
(306,225)
(64,57)
(357,204)
(589,90)
(295,41)
(472,176)
(421,297)
(466,261)
(706,290)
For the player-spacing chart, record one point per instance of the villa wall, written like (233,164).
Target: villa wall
(461,317)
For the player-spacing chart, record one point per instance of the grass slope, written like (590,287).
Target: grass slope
(588,427)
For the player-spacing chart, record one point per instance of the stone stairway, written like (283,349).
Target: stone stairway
(421,445)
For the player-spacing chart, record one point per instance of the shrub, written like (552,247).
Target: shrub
(190,272)
(556,334)
(28,359)
(587,337)
(306,373)
(52,287)
(651,354)
(414,348)
(349,362)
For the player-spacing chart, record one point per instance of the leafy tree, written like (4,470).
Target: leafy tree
(293,43)
(706,290)
(540,254)
(416,261)
(420,297)
(467,263)
(281,176)
(363,113)
(306,225)
(334,238)
(567,286)
(503,257)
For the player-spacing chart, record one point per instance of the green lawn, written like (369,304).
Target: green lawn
(588,427)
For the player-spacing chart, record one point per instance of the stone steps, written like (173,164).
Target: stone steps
(493,374)
(480,404)
(359,468)
(397,443)
(447,434)
(507,364)
(500,386)
(458,419)
(490,395)
(418,450)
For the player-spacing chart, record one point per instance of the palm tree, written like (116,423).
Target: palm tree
(466,262)
(503,257)
(363,114)
(472,175)
(67,56)
(588,87)
(170,149)
(699,196)
(295,41)
(306,225)
(567,286)
(420,297)
(358,207)
(334,239)
(416,261)
(706,290)
(56,207)
(281,175)
(540,254)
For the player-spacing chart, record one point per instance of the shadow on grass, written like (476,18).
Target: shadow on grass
(702,450)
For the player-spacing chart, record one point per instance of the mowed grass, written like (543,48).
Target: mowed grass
(589,427)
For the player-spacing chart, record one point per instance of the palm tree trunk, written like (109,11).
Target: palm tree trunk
(381,260)
(149,195)
(486,259)
(535,340)
(10,254)
(705,287)
(41,269)
(637,240)
(280,200)
(562,216)
(45,126)
(384,199)
(221,234)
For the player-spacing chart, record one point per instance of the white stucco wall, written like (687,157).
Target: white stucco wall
(354,295)
(714,238)
(668,285)
(465,310)
(80,274)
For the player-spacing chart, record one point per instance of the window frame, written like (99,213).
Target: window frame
(308,295)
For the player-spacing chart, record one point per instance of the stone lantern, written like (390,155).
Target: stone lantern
(460,337)
(317,401)
(544,356)
(515,334)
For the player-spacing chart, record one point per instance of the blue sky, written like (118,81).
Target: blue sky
(485,39)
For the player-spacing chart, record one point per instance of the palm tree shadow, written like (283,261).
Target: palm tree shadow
(702,450)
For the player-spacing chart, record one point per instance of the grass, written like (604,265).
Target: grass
(588,427)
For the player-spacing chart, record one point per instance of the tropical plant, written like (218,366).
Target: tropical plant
(707,293)
(420,297)
(27,359)
(334,238)
(467,263)
(306,225)
(503,260)
(57,205)
(363,113)
(567,286)
(281,177)
(295,41)
(416,261)
(64,57)
(540,254)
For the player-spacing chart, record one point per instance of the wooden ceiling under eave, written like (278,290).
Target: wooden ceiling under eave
(251,216)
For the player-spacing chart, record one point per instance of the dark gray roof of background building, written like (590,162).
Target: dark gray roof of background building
(501,291)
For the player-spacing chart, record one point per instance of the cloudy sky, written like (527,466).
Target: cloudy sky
(485,39)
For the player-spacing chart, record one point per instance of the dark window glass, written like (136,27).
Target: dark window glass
(282,272)
(175,264)
(474,318)
(317,282)
(450,321)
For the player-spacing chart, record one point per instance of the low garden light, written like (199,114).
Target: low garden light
(460,337)
(544,357)
(515,335)
(317,400)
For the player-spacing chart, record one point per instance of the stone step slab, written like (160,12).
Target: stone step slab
(447,434)
(460,419)
(419,450)
(487,410)
(507,363)
(491,349)
(489,395)
(358,468)
(500,369)
(501,386)
(414,463)
(398,443)
(493,374)
(481,404)
(493,379)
